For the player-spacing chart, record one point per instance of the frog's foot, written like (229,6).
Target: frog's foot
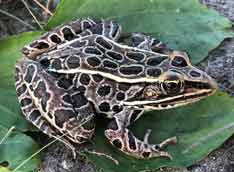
(126,142)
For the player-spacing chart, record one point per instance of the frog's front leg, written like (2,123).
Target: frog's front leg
(121,137)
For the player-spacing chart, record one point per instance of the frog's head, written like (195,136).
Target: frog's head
(179,84)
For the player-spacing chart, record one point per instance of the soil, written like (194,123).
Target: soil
(219,64)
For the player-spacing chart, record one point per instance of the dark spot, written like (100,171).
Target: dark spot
(44,126)
(131,141)
(40,90)
(79,100)
(67,33)
(29,74)
(86,25)
(131,70)
(179,61)
(81,89)
(155,61)
(101,49)
(135,56)
(55,39)
(89,125)
(114,55)
(109,64)
(97,29)
(155,42)
(146,154)
(120,96)
(93,61)
(137,40)
(34,115)
(135,115)
(64,83)
(103,43)
(63,115)
(113,125)
(97,77)
(73,62)
(91,50)
(104,90)
(154,72)
(194,73)
(25,102)
(56,64)
(124,86)
(104,107)
(117,143)
(115,30)
(21,90)
(45,62)
(117,108)
(66,98)
(84,79)
(40,45)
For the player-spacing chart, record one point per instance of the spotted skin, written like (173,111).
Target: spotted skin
(88,68)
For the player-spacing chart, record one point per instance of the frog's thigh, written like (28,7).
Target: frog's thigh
(52,102)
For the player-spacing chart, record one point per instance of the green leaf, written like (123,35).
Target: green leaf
(200,128)
(10,113)
(183,25)
(16,148)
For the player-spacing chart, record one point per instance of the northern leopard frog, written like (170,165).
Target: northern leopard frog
(88,68)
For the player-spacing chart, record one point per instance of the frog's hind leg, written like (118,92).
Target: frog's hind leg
(49,106)
(121,137)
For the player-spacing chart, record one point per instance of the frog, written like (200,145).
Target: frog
(89,68)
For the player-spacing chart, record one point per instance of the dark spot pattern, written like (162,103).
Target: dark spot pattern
(56,64)
(103,43)
(104,90)
(154,61)
(91,50)
(79,100)
(120,96)
(66,98)
(25,102)
(137,40)
(114,55)
(93,61)
(29,74)
(64,83)
(97,78)
(44,100)
(104,107)
(146,154)
(195,74)
(84,79)
(62,116)
(55,39)
(154,72)
(73,62)
(110,64)
(135,56)
(67,33)
(34,115)
(117,143)
(124,86)
(21,90)
(40,45)
(81,89)
(179,62)
(86,25)
(131,141)
(117,108)
(131,70)
(40,90)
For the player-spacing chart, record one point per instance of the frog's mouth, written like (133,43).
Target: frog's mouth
(192,92)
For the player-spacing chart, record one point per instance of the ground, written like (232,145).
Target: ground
(219,64)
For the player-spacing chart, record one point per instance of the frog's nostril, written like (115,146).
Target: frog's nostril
(195,74)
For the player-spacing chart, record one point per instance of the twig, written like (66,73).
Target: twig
(43,7)
(18,19)
(26,5)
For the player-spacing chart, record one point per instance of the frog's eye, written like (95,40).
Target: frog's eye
(179,61)
(172,86)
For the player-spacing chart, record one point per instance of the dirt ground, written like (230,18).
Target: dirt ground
(219,64)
